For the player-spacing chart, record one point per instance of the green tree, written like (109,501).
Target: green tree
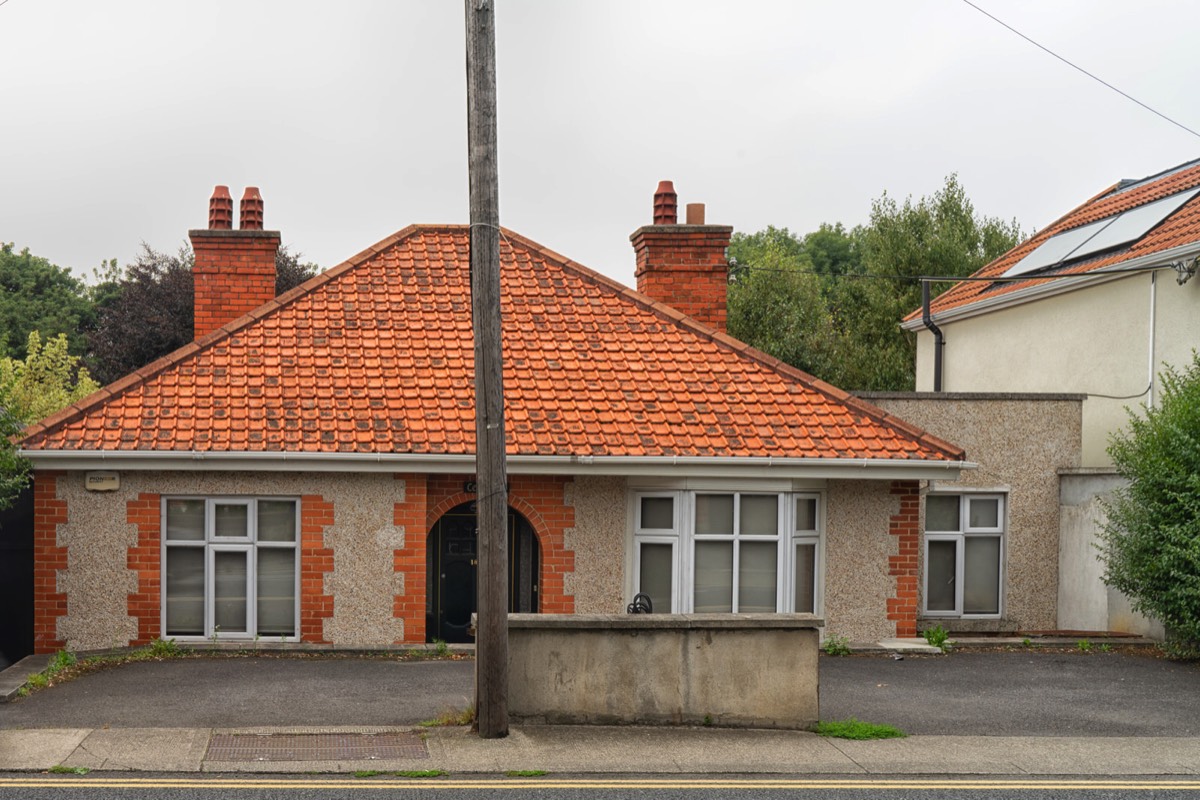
(36,295)
(777,306)
(1151,540)
(48,379)
(145,311)
(868,280)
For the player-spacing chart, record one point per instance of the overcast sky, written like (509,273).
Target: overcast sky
(118,117)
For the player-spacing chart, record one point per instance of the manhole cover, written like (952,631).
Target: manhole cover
(314,746)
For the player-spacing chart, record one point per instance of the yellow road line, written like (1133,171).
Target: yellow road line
(500,784)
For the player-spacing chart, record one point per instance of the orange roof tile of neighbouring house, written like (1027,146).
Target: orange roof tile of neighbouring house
(1124,225)
(376,356)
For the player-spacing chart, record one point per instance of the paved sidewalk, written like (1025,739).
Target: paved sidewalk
(598,749)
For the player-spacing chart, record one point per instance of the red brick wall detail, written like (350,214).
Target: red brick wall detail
(316,560)
(145,559)
(410,560)
(538,498)
(48,558)
(905,526)
(234,274)
(685,267)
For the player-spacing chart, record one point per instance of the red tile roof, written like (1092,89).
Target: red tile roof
(376,356)
(1182,227)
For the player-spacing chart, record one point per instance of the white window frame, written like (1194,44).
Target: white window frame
(684,538)
(213,544)
(814,537)
(966,531)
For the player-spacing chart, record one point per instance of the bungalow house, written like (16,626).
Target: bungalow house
(303,471)
(1092,306)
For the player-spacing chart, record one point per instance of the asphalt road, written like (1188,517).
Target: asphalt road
(562,786)
(994,693)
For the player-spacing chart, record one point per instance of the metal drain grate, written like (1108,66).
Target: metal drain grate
(315,746)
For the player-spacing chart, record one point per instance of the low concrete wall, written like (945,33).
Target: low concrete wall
(745,670)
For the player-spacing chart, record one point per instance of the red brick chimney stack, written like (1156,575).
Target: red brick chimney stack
(683,266)
(234,270)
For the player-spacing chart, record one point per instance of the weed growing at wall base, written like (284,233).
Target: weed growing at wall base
(836,645)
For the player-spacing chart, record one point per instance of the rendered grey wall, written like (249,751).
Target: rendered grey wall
(752,670)
(1085,603)
(857,546)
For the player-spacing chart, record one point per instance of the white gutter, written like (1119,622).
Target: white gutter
(1043,289)
(690,466)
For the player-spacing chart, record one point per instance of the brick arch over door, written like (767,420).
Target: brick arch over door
(540,499)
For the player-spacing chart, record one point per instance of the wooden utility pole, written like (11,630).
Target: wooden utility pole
(491,636)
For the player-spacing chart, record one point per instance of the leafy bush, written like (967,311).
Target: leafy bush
(1151,540)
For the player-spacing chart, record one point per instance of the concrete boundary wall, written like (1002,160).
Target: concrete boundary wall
(745,670)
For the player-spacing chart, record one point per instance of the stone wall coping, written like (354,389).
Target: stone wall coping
(1088,471)
(627,622)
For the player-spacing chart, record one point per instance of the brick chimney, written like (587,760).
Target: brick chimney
(234,270)
(684,266)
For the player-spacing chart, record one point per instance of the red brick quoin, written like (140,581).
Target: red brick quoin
(905,525)
(48,558)
(540,499)
(145,560)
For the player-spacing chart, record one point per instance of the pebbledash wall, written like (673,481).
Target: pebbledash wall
(1021,443)
(363,551)
(363,539)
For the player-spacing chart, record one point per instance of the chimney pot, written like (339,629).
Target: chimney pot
(695,213)
(666,203)
(220,209)
(251,218)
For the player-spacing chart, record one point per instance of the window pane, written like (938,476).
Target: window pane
(714,514)
(185,520)
(714,576)
(939,585)
(806,514)
(806,578)
(654,576)
(981,578)
(757,572)
(229,597)
(231,519)
(759,515)
(941,512)
(984,512)
(276,521)
(658,513)
(185,590)
(277,591)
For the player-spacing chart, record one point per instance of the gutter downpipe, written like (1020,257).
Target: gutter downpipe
(939,340)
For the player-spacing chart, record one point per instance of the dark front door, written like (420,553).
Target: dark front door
(453,560)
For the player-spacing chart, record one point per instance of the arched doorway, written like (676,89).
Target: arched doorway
(452,559)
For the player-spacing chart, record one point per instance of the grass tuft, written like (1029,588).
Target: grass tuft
(420,773)
(450,718)
(854,729)
(59,769)
(526,773)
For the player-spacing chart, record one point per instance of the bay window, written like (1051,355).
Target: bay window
(230,567)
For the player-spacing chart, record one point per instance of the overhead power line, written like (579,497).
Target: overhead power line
(1071,64)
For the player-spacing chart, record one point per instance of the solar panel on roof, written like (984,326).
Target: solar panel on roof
(1105,234)
(1057,248)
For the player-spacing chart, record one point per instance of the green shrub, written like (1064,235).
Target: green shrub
(1150,544)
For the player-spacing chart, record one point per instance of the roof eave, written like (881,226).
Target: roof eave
(1044,289)
(682,466)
